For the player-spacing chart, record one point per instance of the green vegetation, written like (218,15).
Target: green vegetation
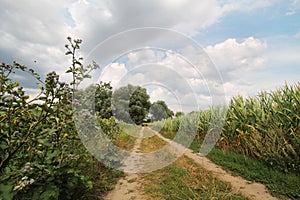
(264,130)
(184,179)
(279,184)
(159,110)
(103,94)
(264,127)
(42,156)
(131,104)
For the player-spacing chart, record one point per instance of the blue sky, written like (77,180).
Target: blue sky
(276,27)
(254,45)
(263,23)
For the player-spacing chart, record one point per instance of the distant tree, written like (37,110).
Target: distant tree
(159,110)
(178,114)
(103,95)
(131,104)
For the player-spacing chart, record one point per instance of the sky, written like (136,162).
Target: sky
(190,53)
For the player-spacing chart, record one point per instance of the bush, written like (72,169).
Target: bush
(42,156)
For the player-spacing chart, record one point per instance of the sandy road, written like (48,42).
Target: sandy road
(129,188)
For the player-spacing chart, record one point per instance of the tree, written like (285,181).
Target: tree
(103,95)
(131,104)
(179,114)
(159,110)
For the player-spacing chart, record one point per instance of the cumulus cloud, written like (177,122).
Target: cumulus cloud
(33,33)
(232,55)
(36,31)
(98,20)
(173,72)
(173,76)
(144,56)
(178,101)
(113,73)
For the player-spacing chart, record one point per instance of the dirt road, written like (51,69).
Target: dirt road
(130,188)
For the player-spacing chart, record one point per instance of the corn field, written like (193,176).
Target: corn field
(266,126)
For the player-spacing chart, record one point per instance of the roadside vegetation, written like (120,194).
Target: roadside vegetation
(281,184)
(43,157)
(260,138)
(41,154)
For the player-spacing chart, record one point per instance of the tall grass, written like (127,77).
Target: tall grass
(266,126)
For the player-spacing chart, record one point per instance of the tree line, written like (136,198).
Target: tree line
(130,104)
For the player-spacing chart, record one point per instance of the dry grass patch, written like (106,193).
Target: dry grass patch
(151,144)
(185,179)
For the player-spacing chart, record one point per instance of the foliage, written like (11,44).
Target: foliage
(179,114)
(39,147)
(131,104)
(159,110)
(78,71)
(109,127)
(167,125)
(103,95)
(41,154)
(265,127)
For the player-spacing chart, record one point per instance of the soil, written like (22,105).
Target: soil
(130,187)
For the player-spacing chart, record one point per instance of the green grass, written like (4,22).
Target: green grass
(278,183)
(185,179)
(104,179)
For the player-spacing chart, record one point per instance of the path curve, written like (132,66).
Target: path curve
(129,188)
(253,190)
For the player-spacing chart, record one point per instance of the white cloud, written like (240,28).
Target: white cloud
(237,63)
(33,33)
(284,57)
(36,31)
(232,89)
(113,73)
(294,7)
(231,55)
(144,56)
(101,19)
(178,101)
(246,5)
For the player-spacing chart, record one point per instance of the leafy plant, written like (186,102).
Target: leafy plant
(266,127)
(42,156)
